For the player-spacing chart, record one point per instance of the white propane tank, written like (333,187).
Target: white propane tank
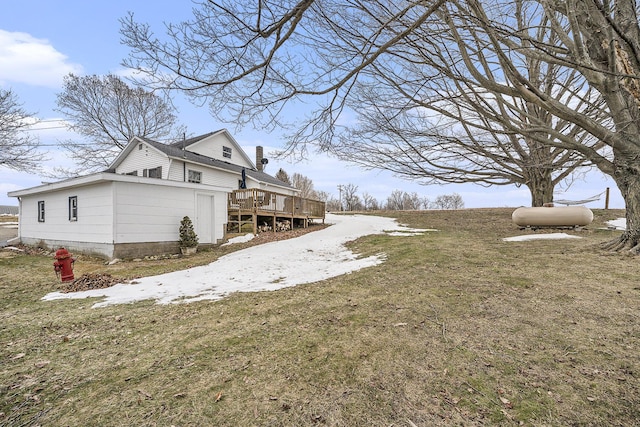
(570,216)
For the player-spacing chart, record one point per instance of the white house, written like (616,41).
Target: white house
(135,207)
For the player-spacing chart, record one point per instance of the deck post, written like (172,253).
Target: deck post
(275,205)
(254,197)
(293,211)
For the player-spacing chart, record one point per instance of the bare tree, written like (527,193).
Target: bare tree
(422,119)
(448,201)
(332,204)
(426,203)
(411,201)
(393,133)
(354,203)
(250,59)
(392,137)
(18,149)
(323,196)
(369,203)
(350,197)
(305,185)
(395,200)
(107,113)
(401,201)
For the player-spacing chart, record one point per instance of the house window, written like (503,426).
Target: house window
(195,176)
(134,173)
(140,146)
(153,173)
(41,211)
(73,208)
(226,152)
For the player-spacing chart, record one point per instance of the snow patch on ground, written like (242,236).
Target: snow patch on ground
(618,224)
(548,236)
(309,258)
(240,239)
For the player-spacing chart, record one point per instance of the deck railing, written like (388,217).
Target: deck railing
(268,202)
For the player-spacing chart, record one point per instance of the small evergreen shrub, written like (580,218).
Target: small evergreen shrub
(188,237)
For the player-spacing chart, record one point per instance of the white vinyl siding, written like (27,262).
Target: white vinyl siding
(94,225)
(149,213)
(116,209)
(146,213)
(179,171)
(139,160)
(213,147)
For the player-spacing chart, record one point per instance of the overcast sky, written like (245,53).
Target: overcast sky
(43,40)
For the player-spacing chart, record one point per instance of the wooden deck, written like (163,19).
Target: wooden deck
(262,208)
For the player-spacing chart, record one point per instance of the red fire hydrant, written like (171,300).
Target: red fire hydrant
(64,265)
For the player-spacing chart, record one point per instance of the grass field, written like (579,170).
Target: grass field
(457,327)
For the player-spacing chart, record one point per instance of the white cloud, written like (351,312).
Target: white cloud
(29,60)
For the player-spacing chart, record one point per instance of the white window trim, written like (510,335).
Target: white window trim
(73,208)
(41,211)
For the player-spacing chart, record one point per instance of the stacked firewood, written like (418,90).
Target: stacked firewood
(264,227)
(283,225)
(280,226)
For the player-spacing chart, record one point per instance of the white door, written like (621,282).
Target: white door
(205,219)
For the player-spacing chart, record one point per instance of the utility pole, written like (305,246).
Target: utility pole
(340,196)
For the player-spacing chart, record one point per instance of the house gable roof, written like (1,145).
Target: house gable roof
(176,151)
(196,142)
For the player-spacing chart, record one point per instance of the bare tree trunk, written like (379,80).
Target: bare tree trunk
(540,183)
(628,180)
(541,188)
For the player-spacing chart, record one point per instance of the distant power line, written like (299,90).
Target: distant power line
(48,120)
(48,128)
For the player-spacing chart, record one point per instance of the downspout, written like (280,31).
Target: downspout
(19,221)
(114,219)
(184,156)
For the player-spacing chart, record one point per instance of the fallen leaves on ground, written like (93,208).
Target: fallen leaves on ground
(90,281)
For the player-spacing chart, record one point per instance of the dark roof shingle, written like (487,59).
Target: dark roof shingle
(175,150)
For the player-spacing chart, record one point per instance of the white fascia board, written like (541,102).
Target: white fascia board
(244,154)
(129,147)
(123,153)
(111,177)
(233,142)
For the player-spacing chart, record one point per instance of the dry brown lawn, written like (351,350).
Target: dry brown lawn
(457,327)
